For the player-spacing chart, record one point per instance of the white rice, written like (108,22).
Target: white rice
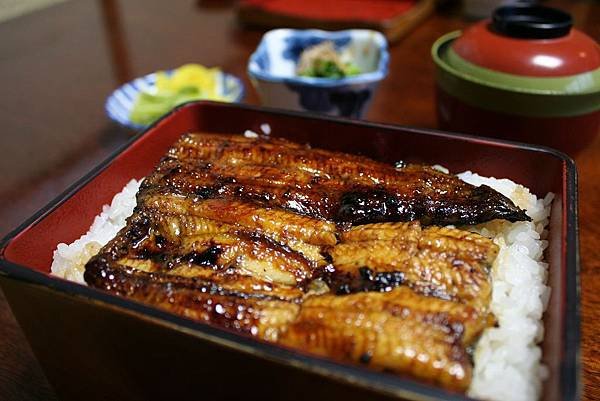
(250,134)
(265,128)
(69,260)
(507,358)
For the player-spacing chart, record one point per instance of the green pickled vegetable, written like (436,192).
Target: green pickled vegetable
(324,61)
(330,69)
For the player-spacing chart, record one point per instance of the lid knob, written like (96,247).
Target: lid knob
(531,22)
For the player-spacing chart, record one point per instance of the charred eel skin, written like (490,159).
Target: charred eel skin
(334,254)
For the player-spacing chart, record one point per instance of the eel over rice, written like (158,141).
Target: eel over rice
(333,254)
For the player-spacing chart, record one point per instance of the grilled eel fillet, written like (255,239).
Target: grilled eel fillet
(328,185)
(243,233)
(437,261)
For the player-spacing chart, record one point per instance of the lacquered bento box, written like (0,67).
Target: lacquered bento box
(96,346)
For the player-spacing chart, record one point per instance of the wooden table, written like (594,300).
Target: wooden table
(58,65)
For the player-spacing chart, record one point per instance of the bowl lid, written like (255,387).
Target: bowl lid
(513,94)
(530,41)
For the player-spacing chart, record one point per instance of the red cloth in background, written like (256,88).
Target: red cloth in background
(339,10)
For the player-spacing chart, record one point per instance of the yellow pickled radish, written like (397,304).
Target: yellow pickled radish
(196,75)
(186,83)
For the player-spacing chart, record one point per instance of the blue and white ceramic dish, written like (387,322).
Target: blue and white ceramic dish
(119,104)
(272,70)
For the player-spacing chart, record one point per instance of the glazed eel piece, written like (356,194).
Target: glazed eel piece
(235,258)
(335,186)
(239,267)
(442,262)
(398,331)
(213,273)
(244,233)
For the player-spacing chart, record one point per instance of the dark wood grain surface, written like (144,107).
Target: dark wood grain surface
(59,64)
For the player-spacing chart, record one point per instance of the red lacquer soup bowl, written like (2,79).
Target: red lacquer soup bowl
(525,75)
(94,345)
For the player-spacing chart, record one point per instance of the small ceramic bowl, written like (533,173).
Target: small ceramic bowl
(272,70)
(525,75)
(119,104)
